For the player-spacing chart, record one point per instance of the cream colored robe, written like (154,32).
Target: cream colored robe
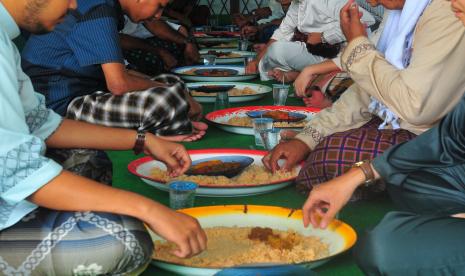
(420,95)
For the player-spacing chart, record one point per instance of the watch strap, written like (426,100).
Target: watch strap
(365,166)
(140,142)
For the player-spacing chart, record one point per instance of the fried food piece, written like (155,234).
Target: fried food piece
(214,166)
(215,73)
(278,115)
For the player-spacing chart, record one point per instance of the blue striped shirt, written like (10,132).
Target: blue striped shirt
(66,63)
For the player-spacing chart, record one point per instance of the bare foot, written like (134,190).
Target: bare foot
(317,99)
(460,215)
(200,125)
(199,131)
(280,75)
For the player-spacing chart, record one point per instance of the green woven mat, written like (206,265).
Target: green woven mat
(358,215)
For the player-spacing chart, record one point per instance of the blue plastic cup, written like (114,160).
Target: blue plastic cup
(182,194)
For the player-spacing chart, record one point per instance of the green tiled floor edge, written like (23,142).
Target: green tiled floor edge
(359,215)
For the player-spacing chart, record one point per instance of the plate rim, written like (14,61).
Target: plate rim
(242,53)
(201,39)
(338,226)
(236,72)
(133,165)
(204,33)
(225,66)
(254,108)
(269,90)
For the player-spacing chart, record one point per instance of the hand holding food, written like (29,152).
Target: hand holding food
(327,199)
(183,230)
(173,155)
(293,152)
(351,25)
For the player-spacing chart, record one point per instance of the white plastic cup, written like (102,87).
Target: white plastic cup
(221,100)
(261,125)
(280,92)
(271,138)
(209,59)
(243,45)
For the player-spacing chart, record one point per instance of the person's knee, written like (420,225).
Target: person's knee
(133,257)
(309,175)
(276,51)
(367,254)
(375,253)
(166,111)
(126,249)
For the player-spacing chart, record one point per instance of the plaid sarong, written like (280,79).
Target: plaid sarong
(93,164)
(149,63)
(47,242)
(160,110)
(338,152)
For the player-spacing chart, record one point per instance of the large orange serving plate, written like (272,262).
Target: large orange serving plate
(338,235)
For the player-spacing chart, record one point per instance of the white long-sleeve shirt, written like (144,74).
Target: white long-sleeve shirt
(277,12)
(316,16)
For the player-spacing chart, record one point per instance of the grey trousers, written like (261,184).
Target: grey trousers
(421,238)
(287,56)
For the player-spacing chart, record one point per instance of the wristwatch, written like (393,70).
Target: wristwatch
(140,142)
(365,166)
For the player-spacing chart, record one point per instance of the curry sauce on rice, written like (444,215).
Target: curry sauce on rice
(232,246)
(252,175)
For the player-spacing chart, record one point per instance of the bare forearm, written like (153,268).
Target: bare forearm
(69,192)
(163,31)
(269,24)
(119,81)
(138,74)
(183,18)
(323,67)
(133,43)
(356,178)
(76,134)
(276,22)
(137,83)
(262,53)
